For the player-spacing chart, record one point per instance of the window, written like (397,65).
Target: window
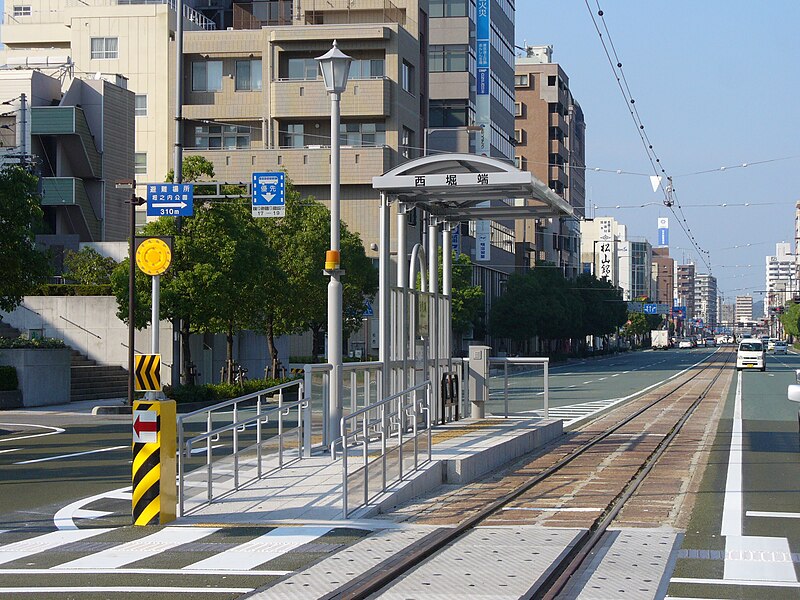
(221,136)
(522,81)
(367,68)
(407,143)
(248,75)
(22,11)
(518,136)
(362,134)
(448,8)
(140,163)
(292,137)
(551,80)
(140,105)
(448,113)
(303,68)
(453,57)
(104,48)
(407,77)
(207,76)
(517,109)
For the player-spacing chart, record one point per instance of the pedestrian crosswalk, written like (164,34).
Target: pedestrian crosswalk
(240,557)
(572,413)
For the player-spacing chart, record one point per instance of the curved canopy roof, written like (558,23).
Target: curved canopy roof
(451,186)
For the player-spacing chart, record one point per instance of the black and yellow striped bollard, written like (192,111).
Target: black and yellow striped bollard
(154,447)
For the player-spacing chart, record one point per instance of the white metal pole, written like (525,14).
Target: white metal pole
(433,314)
(23,122)
(335,285)
(447,260)
(384,318)
(155,314)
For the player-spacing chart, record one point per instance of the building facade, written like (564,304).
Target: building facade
(744,309)
(780,278)
(550,143)
(685,288)
(663,276)
(706,296)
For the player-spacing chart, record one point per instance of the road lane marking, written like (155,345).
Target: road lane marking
(777,515)
(55,430)
(83,513)
(732,503)
(9,450)
(125,571)
(45,542)
(249,555)
(63,519)
(616,374)
(126,589)
(124,554)
(74,454)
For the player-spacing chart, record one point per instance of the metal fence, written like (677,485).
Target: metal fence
(394,436)
(519,386)
(230,444)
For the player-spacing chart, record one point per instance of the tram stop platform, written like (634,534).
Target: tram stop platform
(309,491)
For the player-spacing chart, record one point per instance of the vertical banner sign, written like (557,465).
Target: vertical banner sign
(663,231)
(456,239)
(153,478)
(605,252)
(483,241)
(483,76)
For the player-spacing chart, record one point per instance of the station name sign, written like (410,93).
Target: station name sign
(446,180)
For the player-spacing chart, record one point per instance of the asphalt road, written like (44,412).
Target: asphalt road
(743,539)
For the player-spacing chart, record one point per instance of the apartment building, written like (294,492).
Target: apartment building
(706,296)
(744,309)
(550,143)
(685,288)
(780,278)
(663,270)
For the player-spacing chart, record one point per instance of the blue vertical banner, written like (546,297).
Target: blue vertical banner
(483,51)
(663,231)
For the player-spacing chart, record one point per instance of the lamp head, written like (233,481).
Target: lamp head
(335,68)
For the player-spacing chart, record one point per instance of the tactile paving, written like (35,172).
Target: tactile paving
(489,562)
(631,563)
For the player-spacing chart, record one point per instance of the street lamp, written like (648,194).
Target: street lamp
(335,67)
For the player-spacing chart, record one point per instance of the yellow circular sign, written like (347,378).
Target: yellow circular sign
(153,256)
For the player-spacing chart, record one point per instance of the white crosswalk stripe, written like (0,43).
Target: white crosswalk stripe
(43,543)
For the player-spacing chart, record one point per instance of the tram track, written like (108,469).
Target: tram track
(665,415)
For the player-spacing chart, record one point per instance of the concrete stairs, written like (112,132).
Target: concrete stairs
(7,331)
(91,381)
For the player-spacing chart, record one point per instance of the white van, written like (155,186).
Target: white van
(750,355)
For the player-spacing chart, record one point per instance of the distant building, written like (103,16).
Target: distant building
(706,296)
(549,130)
(781,279)
(685,288)
(663,275)
(600,240)
(744,309)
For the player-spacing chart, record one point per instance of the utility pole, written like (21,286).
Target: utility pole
(178,173)
(23,131)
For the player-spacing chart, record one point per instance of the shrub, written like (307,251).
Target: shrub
(22,342)
(217,392)
(8,378)
(74,289)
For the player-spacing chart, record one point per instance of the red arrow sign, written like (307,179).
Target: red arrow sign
(145,426)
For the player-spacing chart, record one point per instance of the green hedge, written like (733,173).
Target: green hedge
(74,289)
(217,392)
(8,379)
(21,342)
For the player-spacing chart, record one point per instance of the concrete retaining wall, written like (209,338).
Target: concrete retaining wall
(44,375)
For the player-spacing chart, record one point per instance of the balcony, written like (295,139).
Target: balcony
(558,120)
(305,166)
(299,99)
(557,147)
(69,125)
(558,174)
(69,192)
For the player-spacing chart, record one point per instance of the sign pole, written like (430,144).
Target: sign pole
(154,324)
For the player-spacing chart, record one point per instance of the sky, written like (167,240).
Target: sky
(716,84)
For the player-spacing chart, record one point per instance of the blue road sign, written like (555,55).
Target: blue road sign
(368,311)
(663,237)
(650,309)
(269,194)
(170,200)
(456,239)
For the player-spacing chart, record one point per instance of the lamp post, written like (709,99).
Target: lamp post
(335,67)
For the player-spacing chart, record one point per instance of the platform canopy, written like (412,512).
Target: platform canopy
(454,187)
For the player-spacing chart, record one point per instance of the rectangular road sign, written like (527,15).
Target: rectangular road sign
(145,427)
(147,372)
(650,309)
(269,194)
(170,199)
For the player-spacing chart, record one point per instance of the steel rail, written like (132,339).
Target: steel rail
(559,574)
(402,562)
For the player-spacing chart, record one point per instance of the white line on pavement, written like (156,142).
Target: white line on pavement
(9,450)
(42,543)
(125,571)
(54,431)
(732,504)
(74,454)
(122,590)
(63,519)
(124,554)
(260,550)
(777,515)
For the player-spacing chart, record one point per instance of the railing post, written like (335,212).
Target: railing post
(547,389)
(235,447)
(365,433)
(428,423)
(258,436)
(505,387)
(280,428)
(306,420)
(209,456)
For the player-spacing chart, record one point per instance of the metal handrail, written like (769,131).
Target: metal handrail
(383,421)
(263,416)
(80,327)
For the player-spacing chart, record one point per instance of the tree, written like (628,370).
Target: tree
(791,320)
(23,266)
(466,299)
(88,266)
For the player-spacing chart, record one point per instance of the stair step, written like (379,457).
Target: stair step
(89,385)
(102,395)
